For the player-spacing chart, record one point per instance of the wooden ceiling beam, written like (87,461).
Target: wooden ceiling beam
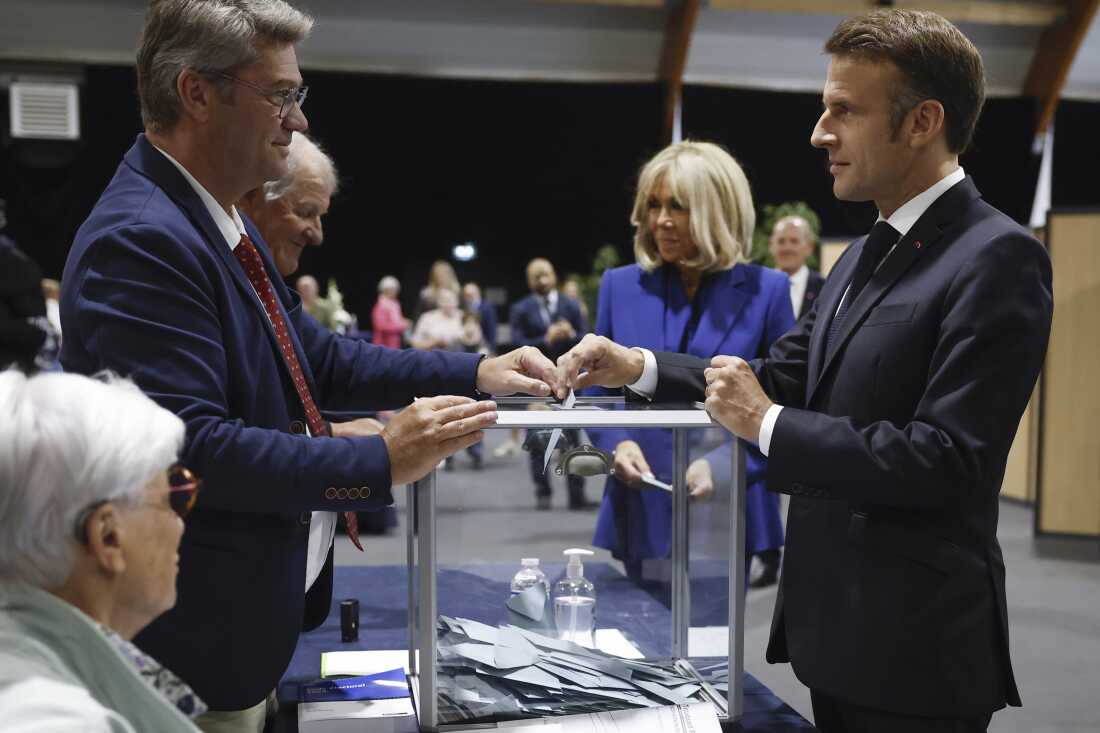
(1054,57)
(679,27)
(989,12)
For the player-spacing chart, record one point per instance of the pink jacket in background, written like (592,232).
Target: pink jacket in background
(387,322)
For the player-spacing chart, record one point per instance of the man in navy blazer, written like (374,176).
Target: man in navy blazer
(552,322)
(888,412)
(168,284)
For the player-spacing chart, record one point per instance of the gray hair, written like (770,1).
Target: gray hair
(207,36)
(303,151)
(66,442)
(389,281)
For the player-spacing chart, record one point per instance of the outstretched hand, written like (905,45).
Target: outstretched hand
(431,429)
(524,370)
(597,360)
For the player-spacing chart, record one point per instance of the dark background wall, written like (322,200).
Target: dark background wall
(521,169)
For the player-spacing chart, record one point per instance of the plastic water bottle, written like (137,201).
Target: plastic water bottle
(530,574)
(575,602)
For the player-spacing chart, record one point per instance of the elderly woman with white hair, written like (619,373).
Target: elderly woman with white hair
(693,292)
(91,506)
(387,320)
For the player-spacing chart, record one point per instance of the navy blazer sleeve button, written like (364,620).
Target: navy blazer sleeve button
(341,493)
(330,493)
(298,427)
(353,493)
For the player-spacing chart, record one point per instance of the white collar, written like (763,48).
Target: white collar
(907,214)
(800,276)
(231,227)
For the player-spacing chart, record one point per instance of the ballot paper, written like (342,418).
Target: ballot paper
(486,674)
(555,435)
(650,480)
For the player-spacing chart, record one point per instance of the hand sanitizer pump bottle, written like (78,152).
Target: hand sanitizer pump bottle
(575,602)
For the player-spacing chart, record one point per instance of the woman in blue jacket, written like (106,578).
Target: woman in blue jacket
(691,291)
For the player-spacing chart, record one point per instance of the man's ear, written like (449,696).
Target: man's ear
(925,123)
(105,539)
(197,95)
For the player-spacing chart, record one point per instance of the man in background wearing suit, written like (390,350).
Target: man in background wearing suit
(553,323)
(167,283)
(888,412)
(791,243)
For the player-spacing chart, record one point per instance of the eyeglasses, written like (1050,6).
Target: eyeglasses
(183,491)
(284,99)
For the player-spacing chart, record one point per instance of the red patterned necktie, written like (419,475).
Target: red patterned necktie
(254,267)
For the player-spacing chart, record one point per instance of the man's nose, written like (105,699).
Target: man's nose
(295,119)
(820,138)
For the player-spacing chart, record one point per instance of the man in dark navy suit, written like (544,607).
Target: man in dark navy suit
(790,245)
(553,323)
(167,283)
(888,412)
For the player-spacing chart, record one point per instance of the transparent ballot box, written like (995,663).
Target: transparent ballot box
(666,569)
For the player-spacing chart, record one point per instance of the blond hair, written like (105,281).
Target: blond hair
(709,183)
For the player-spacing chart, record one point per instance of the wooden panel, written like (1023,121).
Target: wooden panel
(831,252)
(1054,58)
(992,12)
(1069,443)
(1019,481)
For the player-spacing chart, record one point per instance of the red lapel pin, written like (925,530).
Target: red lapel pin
(917,244)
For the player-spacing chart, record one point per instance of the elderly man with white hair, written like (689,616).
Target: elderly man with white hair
(91,506)
(790,245)
(288,210)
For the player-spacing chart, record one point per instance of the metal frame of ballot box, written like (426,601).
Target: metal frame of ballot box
(422,561)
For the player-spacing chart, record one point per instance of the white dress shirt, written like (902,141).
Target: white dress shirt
(902,220)
(799,281)
(322,527)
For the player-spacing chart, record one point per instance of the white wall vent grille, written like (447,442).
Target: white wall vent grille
(48,111)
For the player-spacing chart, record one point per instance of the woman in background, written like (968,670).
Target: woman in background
(690,292)
(387,321)
(441,277)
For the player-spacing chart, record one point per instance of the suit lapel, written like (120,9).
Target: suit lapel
(645,312)
(925,234)
(828,302)
(146,159)
(723,299)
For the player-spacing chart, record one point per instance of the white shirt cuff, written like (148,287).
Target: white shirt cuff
(646,386)
(767,425)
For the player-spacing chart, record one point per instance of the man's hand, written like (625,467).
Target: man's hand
(630,463)
(700,480)
(523,370)
(431,429)
(360,428)
(734,397)
(605,363)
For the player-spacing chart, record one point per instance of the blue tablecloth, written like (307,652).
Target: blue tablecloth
(640,612)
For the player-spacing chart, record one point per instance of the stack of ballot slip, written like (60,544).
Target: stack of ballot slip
(374,677)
